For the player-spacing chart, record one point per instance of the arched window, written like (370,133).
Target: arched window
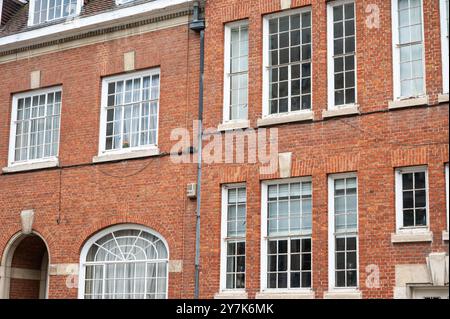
(124,262)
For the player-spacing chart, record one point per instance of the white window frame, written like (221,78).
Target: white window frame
(266,66)
(447,193)
(31,13)
(399,199)
(120,2)
(227,72)
(264,236)
(224,239)
(91,241)
(12,132)
(104,101)
(330,53)
(396,54)
(331,234)
(444,46)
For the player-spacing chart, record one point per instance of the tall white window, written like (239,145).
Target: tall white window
(35,125)
(341,54)
(444,43)
(447,193)
(286,234)
(129,116)
(412,198)
(124,262)
(343,231)
(48,10)
(287,62)
(236,71)
(409,66)
(234,201)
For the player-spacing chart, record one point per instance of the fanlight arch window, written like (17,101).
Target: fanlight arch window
(124,263)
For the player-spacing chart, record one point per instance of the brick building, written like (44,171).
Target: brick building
(352,94)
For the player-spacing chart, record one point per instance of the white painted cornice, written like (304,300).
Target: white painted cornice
(81,25)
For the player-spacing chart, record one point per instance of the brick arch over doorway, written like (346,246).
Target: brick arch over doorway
(24,273)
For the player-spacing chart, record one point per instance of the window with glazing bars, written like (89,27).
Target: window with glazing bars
(48,10)
(237,73)
(290,63)
(37,126)
(345,221)
(410,45)
(289,220)
(132,112)
(344,56)
(235,240)
(414,199)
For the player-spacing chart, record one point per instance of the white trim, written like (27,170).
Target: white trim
(399,200)
(31,13)
(131,152)
(120,2)
(344,294)
(127,154)
(227,70)
(233,125)
(443,98)
(412,237)
(396,52)
(408,102)
(35,163)
(231,295)
(71,27)
(32,165)
(330,60)
(331,235)
(88,244)
(444,46)
(281,118)
(306,294)
(265,60)
(447,194)
(223,243)
(6,261)
(264,238)
(1,9)
(342,111)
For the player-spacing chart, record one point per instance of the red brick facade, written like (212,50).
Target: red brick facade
(372,144)
(79,198)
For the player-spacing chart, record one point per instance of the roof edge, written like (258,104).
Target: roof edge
(70,28)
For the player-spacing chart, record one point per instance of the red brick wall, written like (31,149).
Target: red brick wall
(73,203)
(372,144)
(29,253)
(23,289)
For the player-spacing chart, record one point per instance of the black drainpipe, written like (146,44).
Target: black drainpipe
(198,25)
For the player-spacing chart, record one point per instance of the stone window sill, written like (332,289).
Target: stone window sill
(233,125)
(443,98)
(109,157)
(411,237)
(418,101)
(309,294)
(31,166)
(285,118)
(348,110)
(231,295)
(344,294)
(445,235)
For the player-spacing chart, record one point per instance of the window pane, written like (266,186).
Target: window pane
(290,45)
(344,50)
(120,277)
(140,120)
(37,132)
